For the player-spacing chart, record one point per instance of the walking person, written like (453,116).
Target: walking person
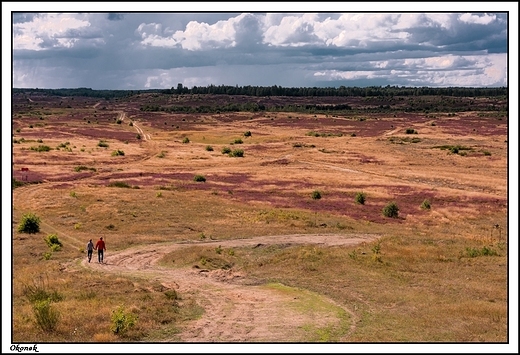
(100,247)
(90,249)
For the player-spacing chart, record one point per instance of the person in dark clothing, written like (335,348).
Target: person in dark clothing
(90,249)
(100,247)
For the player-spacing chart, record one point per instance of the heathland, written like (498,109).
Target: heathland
(238,218)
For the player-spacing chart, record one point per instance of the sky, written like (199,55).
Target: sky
(329,45)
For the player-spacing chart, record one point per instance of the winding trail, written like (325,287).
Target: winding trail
(235,308)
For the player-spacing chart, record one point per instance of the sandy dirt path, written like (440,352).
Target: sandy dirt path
(235,310)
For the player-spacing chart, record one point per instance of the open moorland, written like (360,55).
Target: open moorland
(363,225)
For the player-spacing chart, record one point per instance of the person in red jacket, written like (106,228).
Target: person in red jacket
(100,247)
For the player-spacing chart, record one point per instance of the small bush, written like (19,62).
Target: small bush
(238,141)
(237,153)
(30,223)
(162,154)
(247,134)
(360,198)
(17,183)
(426,205)
(316,195)
(118,152)
(171,295)
(41,148)
(137,136)
(46,316)
(199,178)
(411,131)
(186,140)
(119,184)
(83,167)
(226,150)
(391,210)
(122,321)
(102,144)
(209,148)
(53,241)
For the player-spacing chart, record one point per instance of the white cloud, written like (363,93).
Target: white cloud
(450,70)
(481,20)
(48,30)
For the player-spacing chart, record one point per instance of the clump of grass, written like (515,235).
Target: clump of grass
(484,251)
(391,210)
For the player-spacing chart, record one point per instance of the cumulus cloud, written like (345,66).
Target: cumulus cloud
(157,49)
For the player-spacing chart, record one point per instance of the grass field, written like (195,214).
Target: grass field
(436,273)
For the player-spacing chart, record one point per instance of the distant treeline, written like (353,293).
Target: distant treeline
(371,91)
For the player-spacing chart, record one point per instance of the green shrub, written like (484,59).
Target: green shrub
(53,242)
(209,148)
(102,144)
(83,167)
(46,316)
(171,295)
(30,223)
(391,210)
(226,150)
(41,148)
(247,134)
(199,178)
(426,205)
(137,136)
(360,198)
(316,195)
(118,152)
(237,153)
(411,131)
(238,141)
(122,321)
(17,183)
(162,154)
(186,140)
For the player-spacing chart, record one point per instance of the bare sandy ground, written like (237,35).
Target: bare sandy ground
(234,309)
